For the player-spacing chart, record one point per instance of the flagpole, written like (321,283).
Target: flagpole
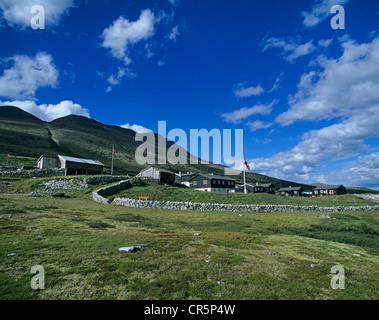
(244,181)
(112,160)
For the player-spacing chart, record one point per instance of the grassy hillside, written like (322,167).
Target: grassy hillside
(25,136)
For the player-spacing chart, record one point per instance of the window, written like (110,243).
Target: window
(205,182)
(195,183)
(218,182)
(223,182)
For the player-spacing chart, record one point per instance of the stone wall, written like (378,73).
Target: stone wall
(132,203)
(99,195)
(34,173)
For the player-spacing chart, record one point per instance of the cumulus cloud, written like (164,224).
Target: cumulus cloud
(363,171)
(320,11)
(49,112)
(17,13)
(135,127)
(124,33)
(291,49)
(27,75)
(344,89)
(237,116)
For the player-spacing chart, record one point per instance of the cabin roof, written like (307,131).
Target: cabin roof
(212,176)
(80,160)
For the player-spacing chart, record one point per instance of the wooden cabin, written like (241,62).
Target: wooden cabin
(291,191)
(329,190)
(261,188)
(212,183)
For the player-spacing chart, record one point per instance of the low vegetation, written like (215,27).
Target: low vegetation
(236,255)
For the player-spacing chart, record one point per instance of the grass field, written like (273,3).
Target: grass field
(76,241)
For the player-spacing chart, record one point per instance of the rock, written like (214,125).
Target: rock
(129,249)
(312,265)
(11,255)
(325,216)
(207,261)
(197,234)
(271,253)
(357,255)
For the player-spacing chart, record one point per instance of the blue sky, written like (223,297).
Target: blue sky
(305,94)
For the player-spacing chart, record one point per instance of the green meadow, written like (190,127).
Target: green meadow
(237,256)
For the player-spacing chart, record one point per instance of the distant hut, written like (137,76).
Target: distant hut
(329,190)
(48,162)
(261,188)
(291,191)
(158,176)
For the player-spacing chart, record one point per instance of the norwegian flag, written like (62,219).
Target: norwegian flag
(9,156)
(114,152)
(246,164)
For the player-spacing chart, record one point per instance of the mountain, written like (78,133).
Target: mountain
(24,135)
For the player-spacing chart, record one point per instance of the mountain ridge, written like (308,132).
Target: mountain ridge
(24,134)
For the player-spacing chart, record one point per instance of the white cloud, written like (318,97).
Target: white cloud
(26,75)
(136,128)
(364,171)
(320,11)
(257,125)
(241,92)
(49,112)
(237,116)
(174,33)
(291,49)
(115,79)
(123,33)
(343,87)
(17,12)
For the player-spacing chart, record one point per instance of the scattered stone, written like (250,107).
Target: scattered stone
(129,249)
(271,253)
(197,234)
(313,265)
(325,216)
(133,249)
(11,255)
(220,282)
(207,261)
(241,215)
(357,255)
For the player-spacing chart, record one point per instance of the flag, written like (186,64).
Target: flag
(247,166)
(114,152)
(9,156)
